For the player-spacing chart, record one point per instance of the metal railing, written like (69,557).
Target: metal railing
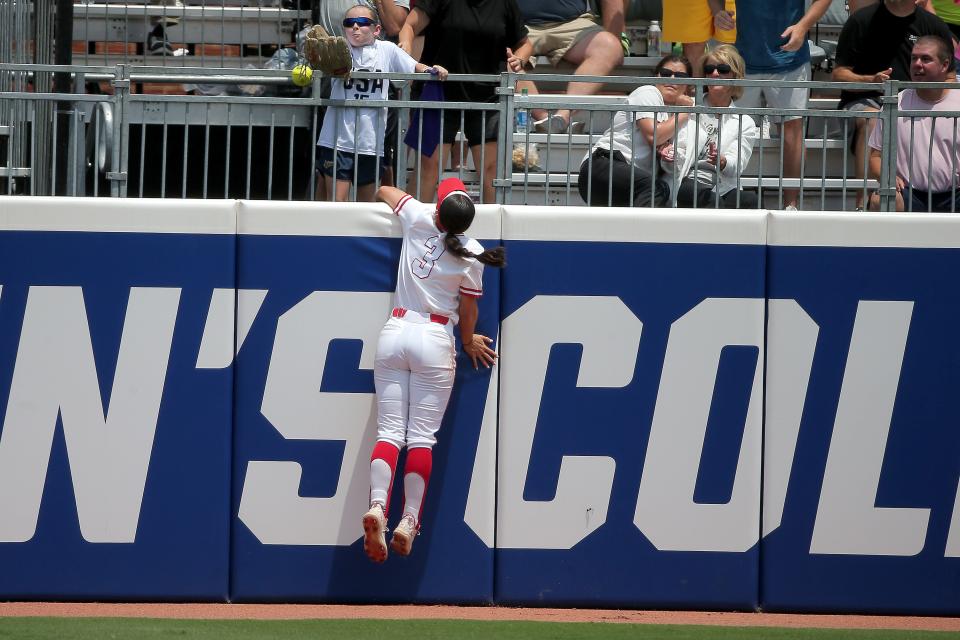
(122,143)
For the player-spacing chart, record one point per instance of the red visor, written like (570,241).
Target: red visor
(448,186)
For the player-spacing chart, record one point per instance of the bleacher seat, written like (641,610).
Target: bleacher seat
(112,33)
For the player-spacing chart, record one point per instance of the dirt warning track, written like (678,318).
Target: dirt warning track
(304,611)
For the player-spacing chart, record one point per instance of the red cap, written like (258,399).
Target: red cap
(448,186)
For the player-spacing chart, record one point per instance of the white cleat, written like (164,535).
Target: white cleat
(374,534)
(403,535)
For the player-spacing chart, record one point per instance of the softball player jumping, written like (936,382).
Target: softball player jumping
(438,282)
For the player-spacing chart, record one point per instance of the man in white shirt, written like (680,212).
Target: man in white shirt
(927,151)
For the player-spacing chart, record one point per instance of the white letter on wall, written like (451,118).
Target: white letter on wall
(791,343)
(847,520)
(56,373)
(666,512)
(953,538)
(479,512)
(270,504)
(610,335)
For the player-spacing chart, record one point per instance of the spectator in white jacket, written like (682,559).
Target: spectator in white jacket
(704,165)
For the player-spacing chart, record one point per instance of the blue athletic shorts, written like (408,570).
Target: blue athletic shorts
(366,170)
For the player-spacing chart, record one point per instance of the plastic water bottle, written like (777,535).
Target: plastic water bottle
(521,124)
(654,36)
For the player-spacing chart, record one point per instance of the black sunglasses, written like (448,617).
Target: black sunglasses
(710,68)
(670,73)
(363,22)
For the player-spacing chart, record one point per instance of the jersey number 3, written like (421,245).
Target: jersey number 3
(421,267)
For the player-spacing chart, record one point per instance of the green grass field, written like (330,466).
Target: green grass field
(136,628)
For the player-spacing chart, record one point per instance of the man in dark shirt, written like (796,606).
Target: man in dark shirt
(875,46)
(565,30)
(469,37)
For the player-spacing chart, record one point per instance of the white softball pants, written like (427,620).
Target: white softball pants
(413,374)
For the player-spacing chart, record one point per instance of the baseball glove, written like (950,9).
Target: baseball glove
(326,53)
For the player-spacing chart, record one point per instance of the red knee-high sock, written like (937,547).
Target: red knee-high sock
(383,466)
(416,477)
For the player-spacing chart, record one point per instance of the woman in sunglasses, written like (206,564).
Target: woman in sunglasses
(620,169)
(351,145)
(711,150)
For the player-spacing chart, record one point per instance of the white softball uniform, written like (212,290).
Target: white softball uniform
(416,357)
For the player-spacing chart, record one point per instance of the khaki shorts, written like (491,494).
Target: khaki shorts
(554,39)
(775,97)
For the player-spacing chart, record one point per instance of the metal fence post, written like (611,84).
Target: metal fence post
(402,122)
(503,179)
(888,157)
(119,159)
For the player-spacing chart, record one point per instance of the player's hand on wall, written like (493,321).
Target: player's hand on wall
(479,350)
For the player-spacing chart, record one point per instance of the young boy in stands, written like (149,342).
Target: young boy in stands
(350,148)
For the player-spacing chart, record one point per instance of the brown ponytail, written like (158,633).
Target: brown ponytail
(456,212)
(495,257)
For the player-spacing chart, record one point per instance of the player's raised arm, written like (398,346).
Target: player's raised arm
(390,195)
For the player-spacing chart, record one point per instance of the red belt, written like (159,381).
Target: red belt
(399,312)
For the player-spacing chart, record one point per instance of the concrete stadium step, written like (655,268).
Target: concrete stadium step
(190,61)
(15,172)
(561,189)
(219,114)
(565,152)
(197,24)
(563,195)
(589,118)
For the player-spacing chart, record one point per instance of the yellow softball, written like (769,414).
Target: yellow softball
(302,75)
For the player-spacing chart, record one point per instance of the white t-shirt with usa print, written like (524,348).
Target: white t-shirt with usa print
(355,128)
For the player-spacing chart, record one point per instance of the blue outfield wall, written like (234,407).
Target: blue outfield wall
(734,410)
(306,422)
(862,430)
(615,487)
(115,449)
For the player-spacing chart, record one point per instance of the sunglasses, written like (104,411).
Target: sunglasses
(361,22)
(670,73)
(721,68)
